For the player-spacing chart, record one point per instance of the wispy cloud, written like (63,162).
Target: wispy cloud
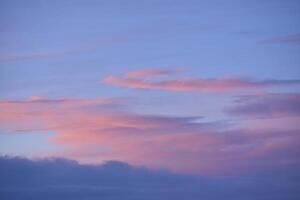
(267,105)
(151,73)
(39,55)
(79,47)
(287,39)
(93,44)
(138,80)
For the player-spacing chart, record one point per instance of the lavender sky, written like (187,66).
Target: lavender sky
(204,88)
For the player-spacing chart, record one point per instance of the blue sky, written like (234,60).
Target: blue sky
(215,82)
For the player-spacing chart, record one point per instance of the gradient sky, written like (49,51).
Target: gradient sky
(201,87)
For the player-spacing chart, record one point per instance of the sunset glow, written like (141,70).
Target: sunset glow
(150,100)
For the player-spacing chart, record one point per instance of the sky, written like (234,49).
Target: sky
(196,93)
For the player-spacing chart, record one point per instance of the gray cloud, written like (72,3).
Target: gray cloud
(64,179)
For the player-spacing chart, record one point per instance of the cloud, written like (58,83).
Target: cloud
(138,80)
(94,130)
(39,55)
(80,47)
(150,73)
(58,178)
(267,105)
(288,39)
(40,113)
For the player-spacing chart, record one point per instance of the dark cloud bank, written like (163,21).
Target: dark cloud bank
(60,179)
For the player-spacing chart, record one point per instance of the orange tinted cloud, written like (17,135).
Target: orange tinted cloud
(139,80)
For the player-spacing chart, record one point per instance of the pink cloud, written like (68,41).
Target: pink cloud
(139,80)
(92,130)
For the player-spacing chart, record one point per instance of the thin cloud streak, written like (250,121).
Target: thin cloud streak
(193,84)
(288,39)
(151,73)
(89,45)
(266,105)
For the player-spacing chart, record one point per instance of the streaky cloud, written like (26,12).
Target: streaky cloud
(267,105)
(138,80)
(286,39)
(151,73)
(80,47)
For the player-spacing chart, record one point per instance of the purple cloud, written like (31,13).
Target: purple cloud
(267,105)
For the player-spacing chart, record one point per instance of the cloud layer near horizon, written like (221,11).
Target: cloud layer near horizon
(61,179)
(94,130)
(143,79)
